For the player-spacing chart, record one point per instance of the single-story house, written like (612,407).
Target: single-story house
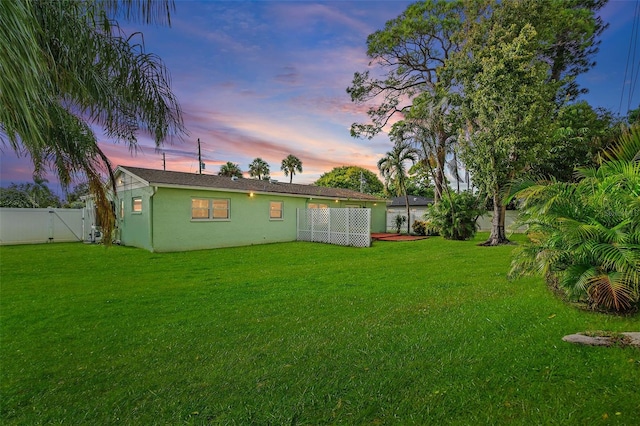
(174,211)
(417,208)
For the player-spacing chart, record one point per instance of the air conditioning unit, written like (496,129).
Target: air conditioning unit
(95,236)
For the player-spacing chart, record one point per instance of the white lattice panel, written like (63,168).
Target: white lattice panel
(346,227)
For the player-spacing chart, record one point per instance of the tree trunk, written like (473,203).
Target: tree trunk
(440,180)
(406,199)
(455,164)
(438,186)
(498,235)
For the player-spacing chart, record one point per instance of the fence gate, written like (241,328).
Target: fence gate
(35,226)
(345,227)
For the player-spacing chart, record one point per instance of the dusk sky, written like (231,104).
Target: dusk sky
(267,79)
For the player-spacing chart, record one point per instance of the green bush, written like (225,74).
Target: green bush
(455,217)
(424,227)
(585,236)
(419,227)
(398,221)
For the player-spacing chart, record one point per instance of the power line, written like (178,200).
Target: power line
(634,40)
(631,62)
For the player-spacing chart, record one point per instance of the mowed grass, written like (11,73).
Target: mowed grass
(424,332)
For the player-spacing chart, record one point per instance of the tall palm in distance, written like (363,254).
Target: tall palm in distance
(259,169)
(230,169)
(394,170)
(290,166)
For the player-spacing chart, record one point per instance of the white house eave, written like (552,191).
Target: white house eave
(131,175)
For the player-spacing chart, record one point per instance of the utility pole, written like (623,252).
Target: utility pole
(199,158)
(164,163)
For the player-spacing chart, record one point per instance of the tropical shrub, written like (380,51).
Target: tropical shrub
(455,216)
(585,236)
(424,227)
(398,221)
(419,227)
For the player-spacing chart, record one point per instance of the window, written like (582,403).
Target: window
(208,209)
(275,209)
(317,206)
(121,208)
(199,208)
(136,206)
(220,209)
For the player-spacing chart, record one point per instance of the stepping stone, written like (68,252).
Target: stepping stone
(632,339)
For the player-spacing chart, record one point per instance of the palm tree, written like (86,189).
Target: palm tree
(585,236)
(259,169)
(431,127)
(230,169)
(71,64)
(394,171)
(290,165)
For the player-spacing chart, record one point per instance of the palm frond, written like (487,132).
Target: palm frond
(610,292)
(627,148)
(25,86)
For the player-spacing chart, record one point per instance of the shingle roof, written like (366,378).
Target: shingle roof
(414,200)
(192,180)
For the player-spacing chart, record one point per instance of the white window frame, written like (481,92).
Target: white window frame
(136,205)
(213,209)
(272,210)
(207,206)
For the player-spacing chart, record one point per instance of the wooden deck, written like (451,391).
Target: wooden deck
(396,237)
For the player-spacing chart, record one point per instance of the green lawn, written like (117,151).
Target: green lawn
(424,332)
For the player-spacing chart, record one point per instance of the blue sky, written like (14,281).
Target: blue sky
(268,78)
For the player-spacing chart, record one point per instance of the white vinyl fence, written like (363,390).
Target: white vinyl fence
(343,226)
(35,226)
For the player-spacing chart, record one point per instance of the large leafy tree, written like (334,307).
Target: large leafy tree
(584,237)
(393,167)
(290,165)
(408,54)
(509,79)
(581,133)
(508,103)
(352,177)
(230,169)
(259,169)
(419,54)
(419,182)
(67,65)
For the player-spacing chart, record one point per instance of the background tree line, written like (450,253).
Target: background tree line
(487,84)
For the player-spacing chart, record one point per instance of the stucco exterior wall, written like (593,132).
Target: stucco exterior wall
(378,216)
(248,223)
(134,229)
(173,229)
